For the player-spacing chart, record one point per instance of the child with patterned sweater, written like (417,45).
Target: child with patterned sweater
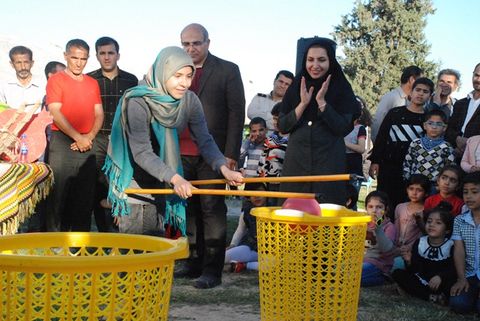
(274,147)
(270,163)
(430,153)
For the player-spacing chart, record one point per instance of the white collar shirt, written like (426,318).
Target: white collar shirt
(472,107)
(15,94)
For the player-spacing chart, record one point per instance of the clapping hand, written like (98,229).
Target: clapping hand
(321,94)
(305,96)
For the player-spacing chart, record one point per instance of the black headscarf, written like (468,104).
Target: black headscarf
(339,94)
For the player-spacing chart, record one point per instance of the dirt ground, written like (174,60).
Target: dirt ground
(237,298)
(220,312)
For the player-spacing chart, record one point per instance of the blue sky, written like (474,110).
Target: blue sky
(260,36)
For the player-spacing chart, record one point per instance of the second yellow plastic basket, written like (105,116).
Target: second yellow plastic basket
(310,266)
(87,276)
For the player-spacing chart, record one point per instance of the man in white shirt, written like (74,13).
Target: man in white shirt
(396,97)
(262,104)
(23,88)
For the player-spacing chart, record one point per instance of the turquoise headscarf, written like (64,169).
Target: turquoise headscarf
(166,116)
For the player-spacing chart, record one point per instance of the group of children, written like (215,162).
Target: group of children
(432,249)
(428,245)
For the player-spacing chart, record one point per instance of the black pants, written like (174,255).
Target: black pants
(103,217)
(70,203)
(206,220)
(391,182)
(409,282)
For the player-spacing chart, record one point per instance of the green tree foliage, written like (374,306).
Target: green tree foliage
(379,39)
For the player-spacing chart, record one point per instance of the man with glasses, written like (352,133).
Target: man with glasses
(219,86)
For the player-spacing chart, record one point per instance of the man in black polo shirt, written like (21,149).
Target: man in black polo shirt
(113,83)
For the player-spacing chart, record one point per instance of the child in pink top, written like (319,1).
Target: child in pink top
(379,245)
(408,217)
(471,157)
(449,181)
(407,214)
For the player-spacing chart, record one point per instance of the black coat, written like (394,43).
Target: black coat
(317,149)
(223,99)
(457,119)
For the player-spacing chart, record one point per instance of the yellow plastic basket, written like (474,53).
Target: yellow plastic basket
(310,266)
(87,276)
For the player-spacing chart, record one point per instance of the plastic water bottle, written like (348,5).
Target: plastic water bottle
(23,149)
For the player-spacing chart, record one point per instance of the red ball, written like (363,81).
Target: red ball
(307,205)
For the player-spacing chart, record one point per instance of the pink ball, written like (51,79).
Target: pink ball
(306,205)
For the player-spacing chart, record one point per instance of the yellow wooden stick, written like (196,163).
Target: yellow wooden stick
(224,192)
(281,179)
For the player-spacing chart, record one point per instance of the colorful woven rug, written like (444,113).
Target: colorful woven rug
(22,186)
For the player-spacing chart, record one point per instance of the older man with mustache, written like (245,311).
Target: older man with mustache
(23,88)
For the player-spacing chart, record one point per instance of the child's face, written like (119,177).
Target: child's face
(415,193)
(258,133)
(375,208)
(447,183)
(471,196)
(258,201)
(275,122)
(420,94)
(434,127)
(435,227)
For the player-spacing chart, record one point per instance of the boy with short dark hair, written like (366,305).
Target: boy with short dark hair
(430,153)
(400,127)
(466,233)
(252,147)
(271,160)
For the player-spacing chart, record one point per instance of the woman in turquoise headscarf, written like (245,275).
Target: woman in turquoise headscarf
(144,149)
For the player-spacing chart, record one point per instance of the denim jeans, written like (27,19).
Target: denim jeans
(371,275)
(469,301)
(241,253)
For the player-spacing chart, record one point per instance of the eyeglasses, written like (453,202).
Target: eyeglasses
(187,44)
(435,123)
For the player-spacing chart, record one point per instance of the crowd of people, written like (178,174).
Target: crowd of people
(184,120)
(424,235)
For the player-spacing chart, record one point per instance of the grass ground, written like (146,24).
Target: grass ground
(238,299)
